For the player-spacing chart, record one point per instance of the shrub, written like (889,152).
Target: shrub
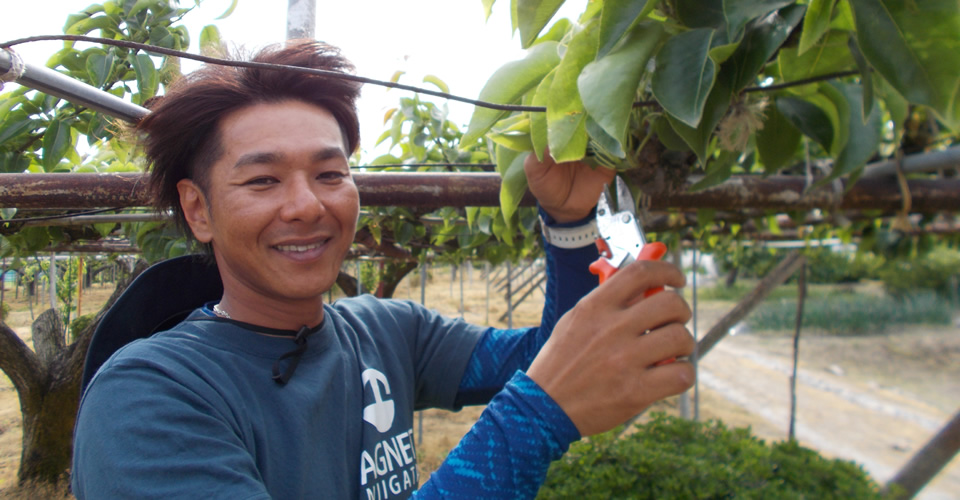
(853,314)
(937,270)
(670,457)
(4,311)
(80,323)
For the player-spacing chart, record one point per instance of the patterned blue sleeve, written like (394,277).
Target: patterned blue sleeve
(500,353)
(508,451)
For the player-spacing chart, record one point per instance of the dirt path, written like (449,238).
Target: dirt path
(842,416)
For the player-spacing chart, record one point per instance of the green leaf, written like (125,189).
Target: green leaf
(863,137)
(210,41)
(777,141)
(914,45)
(685,74)
(717,171)
(226,13)
(404,233)
(739,12)
(162,37)
(668,136)
(617,18)
(8,213)
(99,67)
(94,23)
(866,77)
(608,86)
(830,55)
(487,8)
(698,138)
(602,139)
(816,22)
(57,139)
(513,181)
(9,131)
(566,127)
(533,16)
(104,228)
(808,118)
(760,41)
(139,7)
(148,79)
(701,13)
(440,84)
(556,32)
(538,121)
(508,84)
(834,102)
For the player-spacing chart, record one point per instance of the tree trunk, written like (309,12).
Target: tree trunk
(47,381)
(393,273)
(731,278)
(351,286)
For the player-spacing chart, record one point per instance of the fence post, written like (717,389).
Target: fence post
(486,275)
(509,295)
(423,302)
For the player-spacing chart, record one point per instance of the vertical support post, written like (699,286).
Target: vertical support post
(509,294)
(301,19)
(423,302)
(461,292)
(53,281)
(684,401)
(80,287)
(694,359)
(801,298)
(486,274)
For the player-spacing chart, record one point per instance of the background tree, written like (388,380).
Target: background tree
(42,134)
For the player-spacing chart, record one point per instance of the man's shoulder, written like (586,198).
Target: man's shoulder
(369,307)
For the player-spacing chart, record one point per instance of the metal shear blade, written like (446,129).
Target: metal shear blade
(619,228)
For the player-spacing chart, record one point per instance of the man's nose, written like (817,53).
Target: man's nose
(302,201)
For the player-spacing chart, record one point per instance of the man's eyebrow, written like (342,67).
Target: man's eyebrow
(258,158)
(329,154)
(265,157)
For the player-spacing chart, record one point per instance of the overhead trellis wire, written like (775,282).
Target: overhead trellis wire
(363,79)
(278,67)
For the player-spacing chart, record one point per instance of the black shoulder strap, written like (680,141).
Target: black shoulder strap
(157,300)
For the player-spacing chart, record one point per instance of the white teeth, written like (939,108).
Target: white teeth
(297,248)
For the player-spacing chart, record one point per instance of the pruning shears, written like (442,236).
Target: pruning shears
(621,238)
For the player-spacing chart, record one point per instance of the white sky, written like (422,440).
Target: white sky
(446,38)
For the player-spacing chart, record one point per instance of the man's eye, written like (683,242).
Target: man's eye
(260,181)
(332,175)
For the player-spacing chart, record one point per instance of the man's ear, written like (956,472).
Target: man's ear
(195,210)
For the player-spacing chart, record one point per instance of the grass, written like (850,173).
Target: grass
(850,314)
(743,287)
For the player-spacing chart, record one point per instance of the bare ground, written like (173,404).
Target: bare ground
(874,400)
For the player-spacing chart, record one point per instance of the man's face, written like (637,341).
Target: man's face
(281,206)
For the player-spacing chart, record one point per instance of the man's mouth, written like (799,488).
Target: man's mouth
(302,247)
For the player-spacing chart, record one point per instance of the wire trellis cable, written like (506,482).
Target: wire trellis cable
(362,79)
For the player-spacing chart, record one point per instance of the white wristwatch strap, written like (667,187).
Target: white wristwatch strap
(570,237)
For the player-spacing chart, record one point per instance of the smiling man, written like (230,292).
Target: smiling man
(265,391)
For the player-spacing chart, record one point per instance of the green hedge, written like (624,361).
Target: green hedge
(854,314)
(674,458)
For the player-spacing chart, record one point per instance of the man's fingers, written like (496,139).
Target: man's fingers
(665,381)
(670,341)
(631,281)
